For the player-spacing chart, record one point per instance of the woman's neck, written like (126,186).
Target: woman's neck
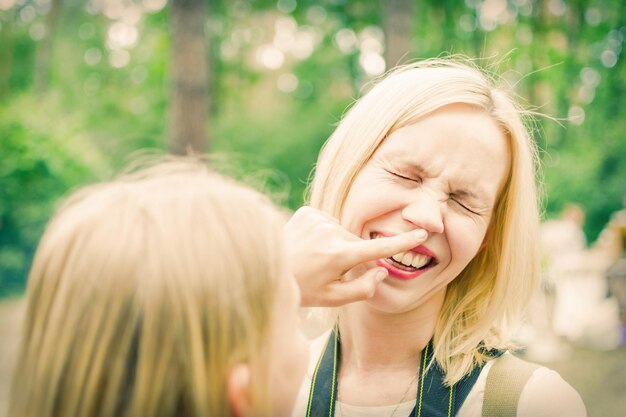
(372,340)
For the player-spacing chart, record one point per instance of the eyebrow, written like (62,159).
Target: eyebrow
(466,193)
(462,192)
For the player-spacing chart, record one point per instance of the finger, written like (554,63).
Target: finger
(310,212)
(357,289)
(384,247)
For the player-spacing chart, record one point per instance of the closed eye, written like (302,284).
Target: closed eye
(465,206)
(395,174)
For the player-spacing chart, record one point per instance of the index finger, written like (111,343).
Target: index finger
(383,247)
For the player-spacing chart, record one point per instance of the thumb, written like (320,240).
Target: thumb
(358,289)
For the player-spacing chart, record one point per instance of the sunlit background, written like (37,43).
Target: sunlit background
(85,84)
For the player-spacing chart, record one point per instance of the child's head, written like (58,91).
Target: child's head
(162,293)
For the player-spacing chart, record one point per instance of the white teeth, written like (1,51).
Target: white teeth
(419,261)
(409,259)
(413,259)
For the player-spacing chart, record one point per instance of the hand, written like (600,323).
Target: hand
(320,251)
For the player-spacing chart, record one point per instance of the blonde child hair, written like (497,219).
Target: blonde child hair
(483,303)
(144,292)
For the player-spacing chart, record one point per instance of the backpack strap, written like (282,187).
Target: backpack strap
(506,380)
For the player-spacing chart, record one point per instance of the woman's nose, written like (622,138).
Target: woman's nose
(424,211)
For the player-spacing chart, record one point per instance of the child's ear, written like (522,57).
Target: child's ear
(239,390)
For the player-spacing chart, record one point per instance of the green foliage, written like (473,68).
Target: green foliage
(39,163)
(23,61)
(104,102)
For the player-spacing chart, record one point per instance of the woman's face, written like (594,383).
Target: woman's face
(441,174)
(289,350)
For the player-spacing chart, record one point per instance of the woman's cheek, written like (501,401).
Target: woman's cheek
(464,238)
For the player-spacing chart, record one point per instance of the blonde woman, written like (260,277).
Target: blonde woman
(437,148)
(162,293)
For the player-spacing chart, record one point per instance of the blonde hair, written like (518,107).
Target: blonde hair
(490,294)
(144,292)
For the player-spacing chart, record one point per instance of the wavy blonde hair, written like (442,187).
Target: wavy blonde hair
(144,292)
(488,298)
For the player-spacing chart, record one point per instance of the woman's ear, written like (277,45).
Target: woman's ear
(484,244)
(239,390)
(487,236)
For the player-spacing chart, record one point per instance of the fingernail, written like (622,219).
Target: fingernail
(381,275)
(420,234)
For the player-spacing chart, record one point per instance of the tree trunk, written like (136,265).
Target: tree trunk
(398,24)
(6,53)
(44,53)
(478,37)
(615,75)
(189,77)
(449,25)
(537,54)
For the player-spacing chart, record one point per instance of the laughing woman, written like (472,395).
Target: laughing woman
(434,148)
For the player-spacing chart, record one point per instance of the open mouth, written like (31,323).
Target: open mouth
(410,260)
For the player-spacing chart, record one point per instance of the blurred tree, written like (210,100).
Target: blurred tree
(398,23)
(45,49)
(270,78)
(6,50)
(38,165)
(189,105)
